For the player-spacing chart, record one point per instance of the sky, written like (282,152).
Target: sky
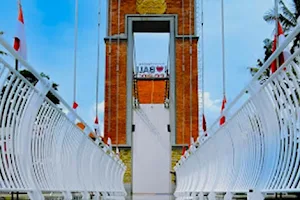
(49,29)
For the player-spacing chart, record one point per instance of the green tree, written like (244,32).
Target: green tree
(268,52)
(32,79)
(288,16)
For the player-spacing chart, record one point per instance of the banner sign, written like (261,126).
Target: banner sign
(151,70)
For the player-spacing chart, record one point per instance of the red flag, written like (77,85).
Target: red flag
(19,40)
(222,120)
(96,120)
(96,126)
(273,65)
(183,150)
(284,55)
(75,105)
(203,123)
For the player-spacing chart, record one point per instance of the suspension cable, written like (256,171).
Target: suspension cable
(152,91)
(134,55)
(98,64)
(191,70)
(167,71)
(202,53)
(75,54)
(118,68)
(223,49)
(135,76)
(109,68)
(183,77)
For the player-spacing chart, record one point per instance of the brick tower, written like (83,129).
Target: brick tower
(153,14)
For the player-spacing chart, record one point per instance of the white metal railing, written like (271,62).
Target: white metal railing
(257,150)
(41,148)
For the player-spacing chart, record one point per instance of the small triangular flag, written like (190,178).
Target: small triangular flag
(75,105)
(96,120)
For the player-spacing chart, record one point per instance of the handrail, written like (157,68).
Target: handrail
(266,65)
(257,150)
(42,150)
(24,63)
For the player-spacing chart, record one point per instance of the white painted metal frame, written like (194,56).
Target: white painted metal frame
(257,150)
(41,148)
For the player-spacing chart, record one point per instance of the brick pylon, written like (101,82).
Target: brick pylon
(173,7)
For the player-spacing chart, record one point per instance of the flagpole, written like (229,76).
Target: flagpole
(202,52)
(75,49)
(17,61)
(276,28)
(98,65)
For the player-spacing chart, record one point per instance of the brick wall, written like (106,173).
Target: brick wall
(111,94)
(151,91)
(173,7)
(183,94)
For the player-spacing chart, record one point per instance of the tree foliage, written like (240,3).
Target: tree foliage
(32,79)
(288,16)
(268,52)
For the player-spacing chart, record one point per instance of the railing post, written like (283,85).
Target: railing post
(85,195)
(67,195)
(201,196)
(256,195)
(96,196)
(212,196)
(228,196)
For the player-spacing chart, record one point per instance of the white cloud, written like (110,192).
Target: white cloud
(211,105)
(100,115)
(101,107)
(212,108)
(100,110)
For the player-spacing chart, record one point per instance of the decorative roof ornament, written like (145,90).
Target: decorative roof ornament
(151,6)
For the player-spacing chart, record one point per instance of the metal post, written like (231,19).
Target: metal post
(17,65)
(75,49)
(276,28)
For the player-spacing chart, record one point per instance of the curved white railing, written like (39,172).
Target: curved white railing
(42,149)
(257,150)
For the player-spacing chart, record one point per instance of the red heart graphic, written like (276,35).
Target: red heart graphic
(159,68)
